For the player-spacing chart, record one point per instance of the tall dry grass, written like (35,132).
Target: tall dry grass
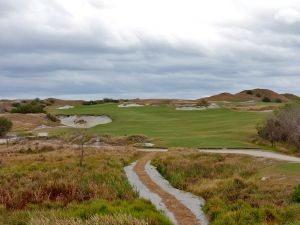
(232,187)
(118,219)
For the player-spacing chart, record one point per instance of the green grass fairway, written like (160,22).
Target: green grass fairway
(173,128)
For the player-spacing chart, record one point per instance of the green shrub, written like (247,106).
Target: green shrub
(105,100)
(16,104)
(258,95)
(203,102)
(89,103)
(137,138)
(296,194)
(266,99)
(277,100)
(281,127)
(5,126)
(35,106)
(52,117)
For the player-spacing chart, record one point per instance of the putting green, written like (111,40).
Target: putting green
(172,128)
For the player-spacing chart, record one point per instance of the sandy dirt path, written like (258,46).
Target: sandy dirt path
(256,153)
(182,214)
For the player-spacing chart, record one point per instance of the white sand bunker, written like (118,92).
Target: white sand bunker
(130,105)
(66,107)
(187,108)
(190,108)
(84,121)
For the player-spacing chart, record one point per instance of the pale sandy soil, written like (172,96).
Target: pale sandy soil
(84,121)
(256,153)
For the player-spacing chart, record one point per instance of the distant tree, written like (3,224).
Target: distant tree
(249,92)
(283,127)
(5,126)
(270,131)
(89,103)
(110,100)
(266,99)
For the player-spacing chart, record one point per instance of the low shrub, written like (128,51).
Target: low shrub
(296,194)
(203,102)
(5,126)
(105,100)
(89,103)
(52,117)
(35,106)
(138,138)
(278,100)
(266,99)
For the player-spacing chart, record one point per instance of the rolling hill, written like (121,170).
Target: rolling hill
(252,95)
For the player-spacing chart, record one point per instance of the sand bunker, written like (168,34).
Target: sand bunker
(84,121)
(130,105)
(66,107)
(187,108)
(190,108)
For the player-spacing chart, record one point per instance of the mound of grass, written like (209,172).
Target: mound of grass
(232,187)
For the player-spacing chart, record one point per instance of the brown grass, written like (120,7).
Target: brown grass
(56,177)
(233,187)
(118,219)
(25,122)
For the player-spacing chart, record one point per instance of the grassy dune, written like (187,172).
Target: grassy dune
(50,188)
(173,128)
(238,190)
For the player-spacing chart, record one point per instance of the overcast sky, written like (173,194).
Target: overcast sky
(90,49)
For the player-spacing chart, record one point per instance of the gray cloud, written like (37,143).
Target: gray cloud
(46,51)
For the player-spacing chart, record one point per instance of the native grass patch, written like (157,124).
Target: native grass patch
(237,189)
(51,188)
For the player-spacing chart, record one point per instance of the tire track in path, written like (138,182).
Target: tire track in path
(183,215)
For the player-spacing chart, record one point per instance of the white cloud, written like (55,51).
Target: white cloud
(288,16)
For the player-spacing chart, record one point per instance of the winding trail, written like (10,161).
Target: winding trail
(256,153)
(170,198)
